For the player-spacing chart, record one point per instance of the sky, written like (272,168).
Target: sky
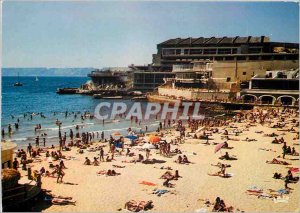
(109,34)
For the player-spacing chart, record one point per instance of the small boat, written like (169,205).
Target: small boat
(113,97)
(18,83)
(97,96)
(64,91)
(36,78)
(139,98)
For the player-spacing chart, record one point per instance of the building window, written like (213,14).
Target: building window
(195,51)
(241,58)
(254,50)
(210,51)
(168,52)
(229,58)
(253,58)
(244,73)
(224,51)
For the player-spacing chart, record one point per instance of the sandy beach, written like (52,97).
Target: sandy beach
(101,193)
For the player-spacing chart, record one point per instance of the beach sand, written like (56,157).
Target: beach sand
(108,194)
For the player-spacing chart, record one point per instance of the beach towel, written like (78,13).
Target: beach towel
(283,191)
(102,172)
(264,195)
(160,192)
(148,183)
(201,210)
(254,189)
(294,169)
(283,199)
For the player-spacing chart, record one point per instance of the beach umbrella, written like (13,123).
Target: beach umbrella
(148,146)
(131,137)
(154,139)
(219,146)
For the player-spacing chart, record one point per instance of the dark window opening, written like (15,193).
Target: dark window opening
(241,58)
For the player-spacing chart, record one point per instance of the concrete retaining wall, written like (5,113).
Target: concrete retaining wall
(245,69)
(190,94)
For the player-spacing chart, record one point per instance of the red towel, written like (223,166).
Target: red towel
(148,183)
(294,169)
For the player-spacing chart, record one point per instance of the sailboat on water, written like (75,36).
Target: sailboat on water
(36,78)
(18,83)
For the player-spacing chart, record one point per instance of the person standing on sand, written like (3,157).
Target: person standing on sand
(60,173)
(29,149)
(101,154)
(147,153)
(60,144)
(284,150)
(102,135)
(44,140)
(16,164)
(71,134)
(37,141)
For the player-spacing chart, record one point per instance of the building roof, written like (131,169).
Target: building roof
(217,40)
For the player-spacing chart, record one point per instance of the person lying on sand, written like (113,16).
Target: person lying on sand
(169,175)
(117,166)
(275,161)
(58,201)
(135,206)
(177,151)
(271,135)
(167,183)
(227,157)
(276,141)
(220,165)
(277,175)
(249,140)
(221,207)
(163,167)
(268,150)
(221,173)
(229,139)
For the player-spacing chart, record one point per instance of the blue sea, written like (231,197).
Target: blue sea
(40,97)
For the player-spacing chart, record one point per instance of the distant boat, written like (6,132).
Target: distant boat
(36,78)
(18,83)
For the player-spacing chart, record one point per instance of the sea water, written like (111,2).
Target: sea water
(41,97)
